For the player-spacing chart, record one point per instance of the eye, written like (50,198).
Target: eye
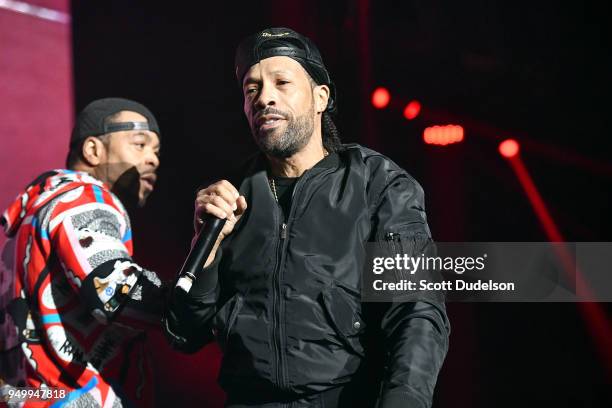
(140,146)
(250,91)
(282,82)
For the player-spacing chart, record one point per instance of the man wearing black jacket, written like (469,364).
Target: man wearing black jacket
(281,290)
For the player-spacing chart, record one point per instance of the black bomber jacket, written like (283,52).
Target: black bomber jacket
(283,300)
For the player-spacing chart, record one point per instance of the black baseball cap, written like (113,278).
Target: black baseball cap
(281,41)
(92,121)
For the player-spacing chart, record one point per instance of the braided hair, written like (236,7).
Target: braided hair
(331,136)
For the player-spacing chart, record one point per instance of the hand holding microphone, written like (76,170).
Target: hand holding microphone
(221,200)
(217,210)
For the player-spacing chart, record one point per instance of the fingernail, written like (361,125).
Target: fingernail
(235,207)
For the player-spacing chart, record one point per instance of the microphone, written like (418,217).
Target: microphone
(199,252)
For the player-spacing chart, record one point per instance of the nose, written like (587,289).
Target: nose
(266,97)
(152,160)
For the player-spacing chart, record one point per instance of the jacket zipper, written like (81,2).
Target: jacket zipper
(276,347)
(392,237)
(277,301)
(277,321)
(283,232)
(277,315)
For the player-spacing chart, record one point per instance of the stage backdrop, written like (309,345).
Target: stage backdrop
(35,91)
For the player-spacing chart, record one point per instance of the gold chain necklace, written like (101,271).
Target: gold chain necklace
(273,186)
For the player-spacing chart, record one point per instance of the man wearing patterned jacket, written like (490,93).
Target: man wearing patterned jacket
(79,302)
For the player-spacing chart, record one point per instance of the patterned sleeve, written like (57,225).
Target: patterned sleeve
(90,235)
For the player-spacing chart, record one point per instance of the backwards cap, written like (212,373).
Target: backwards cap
(92,121)
(284,42)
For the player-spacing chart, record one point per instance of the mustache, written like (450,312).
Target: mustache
(270,111)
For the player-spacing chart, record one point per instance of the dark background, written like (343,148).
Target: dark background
(535,71)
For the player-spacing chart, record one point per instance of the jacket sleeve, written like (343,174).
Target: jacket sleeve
(416,331)
(88,237)
(188,319)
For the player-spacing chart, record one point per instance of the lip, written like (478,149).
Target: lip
(149,180)
(268,121)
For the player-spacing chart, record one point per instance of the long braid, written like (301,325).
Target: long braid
(331,136)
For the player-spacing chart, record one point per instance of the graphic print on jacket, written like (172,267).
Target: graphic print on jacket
(74,269)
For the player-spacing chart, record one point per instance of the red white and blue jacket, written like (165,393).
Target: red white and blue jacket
(86,302)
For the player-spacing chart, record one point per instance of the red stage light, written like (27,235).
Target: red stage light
(509,148)
(380,97)
(594,314)
(443,135)
(412,110)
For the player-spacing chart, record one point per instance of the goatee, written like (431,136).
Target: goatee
(294,138)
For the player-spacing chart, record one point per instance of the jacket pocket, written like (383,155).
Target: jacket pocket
(343,312)
(401,236)
(225,319)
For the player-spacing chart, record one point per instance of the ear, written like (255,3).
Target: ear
(321,95)
(93,151)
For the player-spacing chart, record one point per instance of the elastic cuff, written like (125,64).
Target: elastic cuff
(401,400)
(206,281)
